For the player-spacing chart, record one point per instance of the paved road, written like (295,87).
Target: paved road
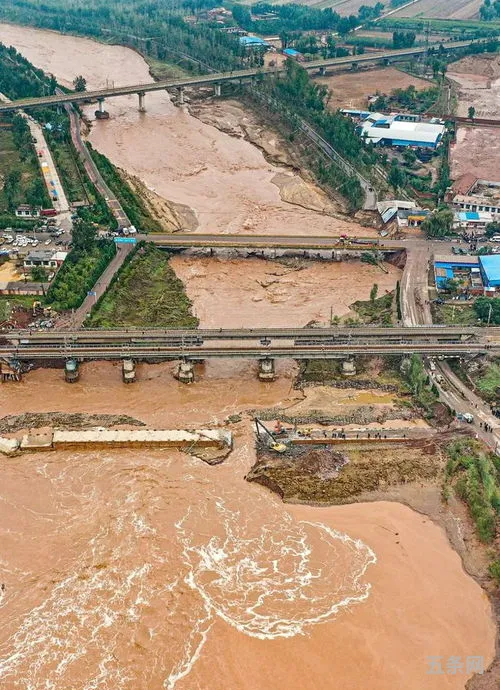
(416,310)
(79,97)
(76,319)
(92,170)
(49,171)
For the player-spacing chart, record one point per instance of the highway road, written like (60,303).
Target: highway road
(217,78)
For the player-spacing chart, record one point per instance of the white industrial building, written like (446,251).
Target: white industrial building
(399,130)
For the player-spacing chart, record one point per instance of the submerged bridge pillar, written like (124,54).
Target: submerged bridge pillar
(142,96)
(181,95)
(217,89)
(266,369)
(185,371)
(321,71)
(100,113)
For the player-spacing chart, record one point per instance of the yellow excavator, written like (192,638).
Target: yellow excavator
(38,310)
(276,446)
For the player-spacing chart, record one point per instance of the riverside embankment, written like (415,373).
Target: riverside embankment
(137,569)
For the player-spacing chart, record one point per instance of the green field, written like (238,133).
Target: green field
(146,292)
(10,302)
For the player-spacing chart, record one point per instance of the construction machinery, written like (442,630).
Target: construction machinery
(273,443)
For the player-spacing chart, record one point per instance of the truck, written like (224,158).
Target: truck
(465,417)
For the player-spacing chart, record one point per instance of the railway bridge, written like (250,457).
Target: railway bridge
(262,344)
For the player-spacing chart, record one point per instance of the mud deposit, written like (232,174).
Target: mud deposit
(319,476)
(137,570)
(230,293)
(352,90)
(477,149)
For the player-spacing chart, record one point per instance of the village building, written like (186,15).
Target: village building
(45,258)
(26,211)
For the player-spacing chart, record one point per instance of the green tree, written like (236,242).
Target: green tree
(39,274)
(84,237)
(396,176)
(439,223)
(373,292)
(80,83)
(471,112)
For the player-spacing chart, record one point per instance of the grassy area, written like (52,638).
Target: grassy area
(449,26)
(458,314)
(146,292)
(489,382)
(10,302)
(378,311)
(78,274)
(475,477)
(132,204)
(160,70)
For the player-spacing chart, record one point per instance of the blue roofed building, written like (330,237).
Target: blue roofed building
(401,130)
(254,42)
(490,270)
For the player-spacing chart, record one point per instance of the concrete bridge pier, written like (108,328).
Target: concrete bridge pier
(181,95)
(217,89)
(266,369)
(349,367)
(10,371)
(142,96)
(128,371)
(71,371)
(321,71)
(185,371)
(100,113)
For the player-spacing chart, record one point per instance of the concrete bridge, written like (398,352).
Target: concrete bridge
(264,345)
(215,79)
(260,244)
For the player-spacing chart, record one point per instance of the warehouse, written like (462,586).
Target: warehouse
(396,130)
(490,271)
(465,270)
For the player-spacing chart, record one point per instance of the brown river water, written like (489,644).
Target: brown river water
(145,569)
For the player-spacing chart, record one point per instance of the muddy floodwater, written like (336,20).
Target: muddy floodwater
(150,570)
(226,181)
(229,293)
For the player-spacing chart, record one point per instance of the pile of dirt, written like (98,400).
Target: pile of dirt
(479,65)
(75,420)
(361,416)
(320,476)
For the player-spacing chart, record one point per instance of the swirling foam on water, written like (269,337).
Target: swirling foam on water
(137,585)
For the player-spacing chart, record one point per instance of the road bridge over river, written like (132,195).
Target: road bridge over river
(217,78)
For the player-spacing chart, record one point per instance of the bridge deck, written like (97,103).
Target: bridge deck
(79,97)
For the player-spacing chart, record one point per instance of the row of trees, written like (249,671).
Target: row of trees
(403,39)
(293,17)
(84,264)
(310,101)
